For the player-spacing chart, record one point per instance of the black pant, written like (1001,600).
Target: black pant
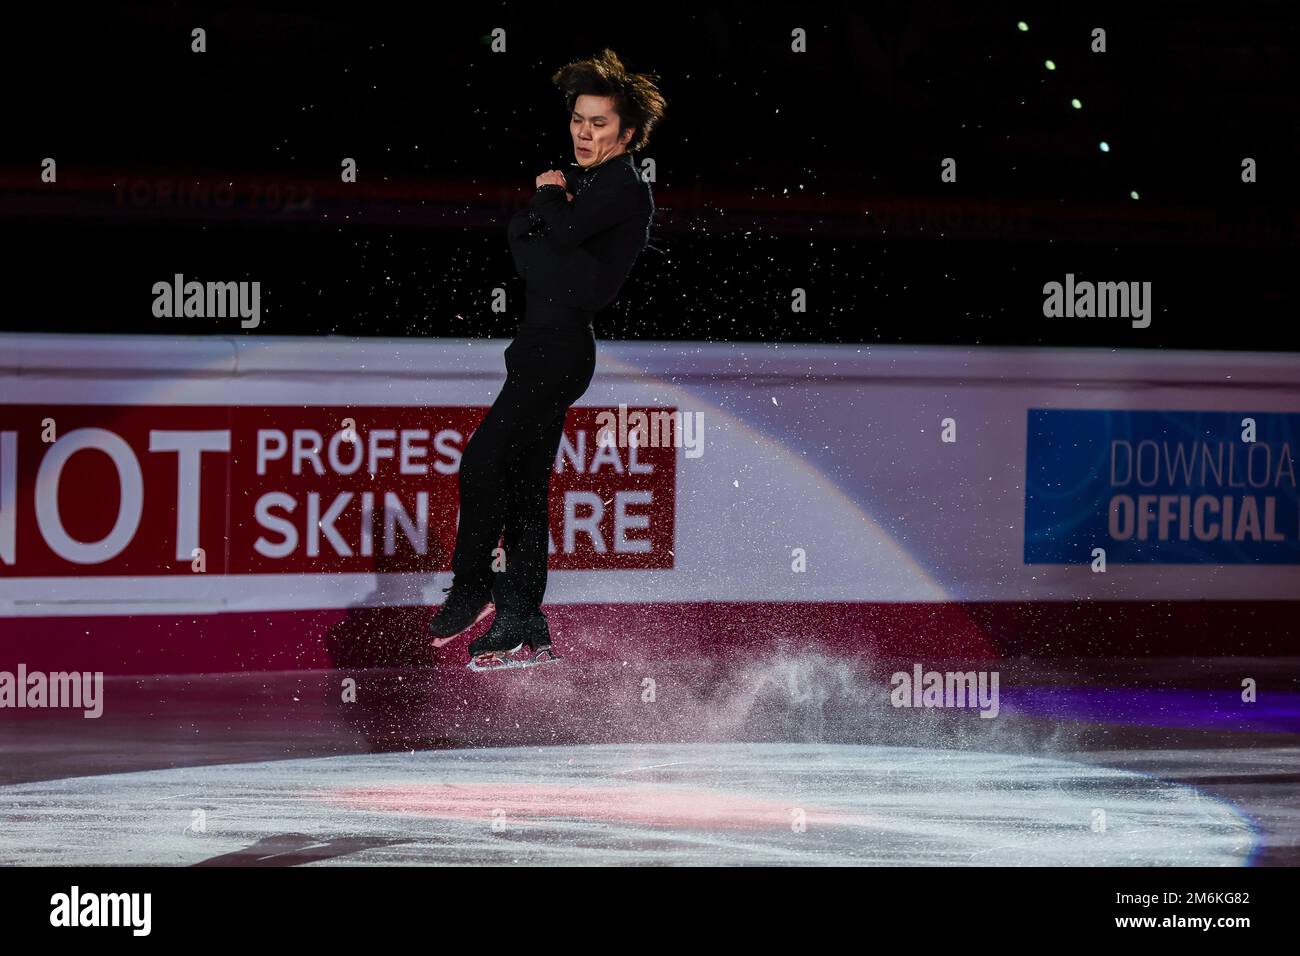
(505,470)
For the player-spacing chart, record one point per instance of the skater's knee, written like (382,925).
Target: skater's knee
(479,459)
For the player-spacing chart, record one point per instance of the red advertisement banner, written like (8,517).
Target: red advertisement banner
(159,490)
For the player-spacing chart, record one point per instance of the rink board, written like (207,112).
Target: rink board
(178,504)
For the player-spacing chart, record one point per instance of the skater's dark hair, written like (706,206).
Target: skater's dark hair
(636,96)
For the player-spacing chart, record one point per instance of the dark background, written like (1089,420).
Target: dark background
(774,169)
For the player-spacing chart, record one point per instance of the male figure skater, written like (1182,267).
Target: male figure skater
(573,246)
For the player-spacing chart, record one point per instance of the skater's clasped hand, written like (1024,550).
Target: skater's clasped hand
(552,177)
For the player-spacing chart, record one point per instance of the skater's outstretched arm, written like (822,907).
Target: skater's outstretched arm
(610,198)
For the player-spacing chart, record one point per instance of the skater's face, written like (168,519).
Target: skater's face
(594,128)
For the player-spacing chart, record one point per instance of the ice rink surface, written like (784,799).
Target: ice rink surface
(751,803)
(784,760)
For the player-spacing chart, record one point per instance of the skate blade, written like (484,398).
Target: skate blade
(505,662)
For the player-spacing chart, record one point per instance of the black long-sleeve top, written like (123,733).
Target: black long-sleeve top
(576,254)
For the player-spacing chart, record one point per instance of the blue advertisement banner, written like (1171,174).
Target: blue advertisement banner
(1161,487)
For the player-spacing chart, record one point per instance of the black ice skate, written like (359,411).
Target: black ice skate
(461,610)
(500,646)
